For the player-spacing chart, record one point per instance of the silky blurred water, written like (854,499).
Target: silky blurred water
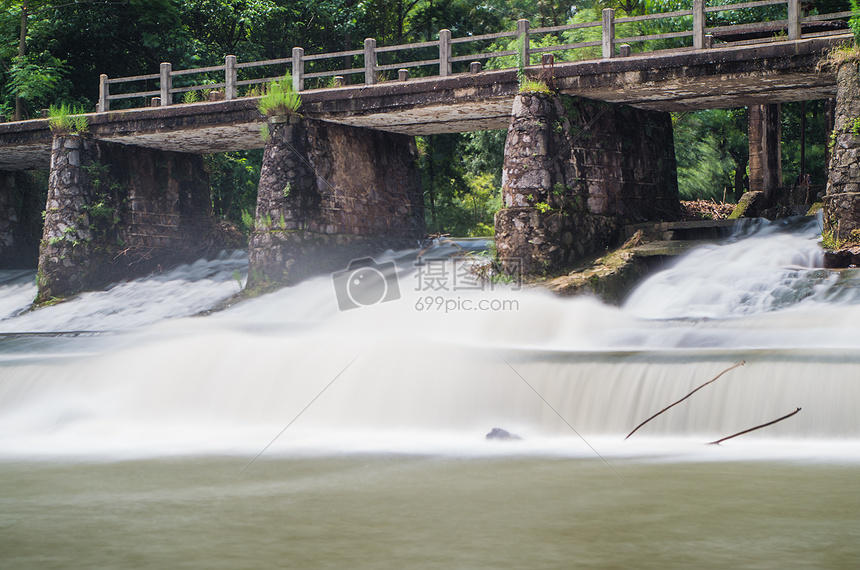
(287,432)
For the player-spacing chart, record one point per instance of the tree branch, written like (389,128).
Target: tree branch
(785,417)
(741,363)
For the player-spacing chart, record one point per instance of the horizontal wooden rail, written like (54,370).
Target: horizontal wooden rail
(450,50)
(660,16)
(743,5)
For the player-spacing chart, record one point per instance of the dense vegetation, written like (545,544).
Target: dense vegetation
(66,44)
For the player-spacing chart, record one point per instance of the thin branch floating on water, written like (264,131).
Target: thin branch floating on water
(741,363)
(785,417)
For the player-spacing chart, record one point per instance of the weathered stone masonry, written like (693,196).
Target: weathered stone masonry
(842,197)
(21,204)
(575,171)
(116,211)
(329,193)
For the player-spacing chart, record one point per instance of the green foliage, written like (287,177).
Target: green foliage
(854,21)
(247,221)
(280,99)
(64,119)
(543,207)
(457,201)
(190,97)
(483,153)
(816,141)
(831,242)
(712,151)
(234,177)
(38,79)
(533,86)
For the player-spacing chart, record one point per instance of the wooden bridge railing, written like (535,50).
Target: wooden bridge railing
(702,38)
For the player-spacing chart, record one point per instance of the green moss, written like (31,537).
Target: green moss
(739,211)
(815,208)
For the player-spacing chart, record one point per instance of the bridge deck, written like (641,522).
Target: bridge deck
(683,80)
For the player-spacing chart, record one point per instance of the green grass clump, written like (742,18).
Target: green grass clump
(65,119)
(830,241)
(533,86)
(280,99)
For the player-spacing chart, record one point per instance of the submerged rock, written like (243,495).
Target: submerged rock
(499,433)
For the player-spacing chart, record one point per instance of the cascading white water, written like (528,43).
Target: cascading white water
(423,373)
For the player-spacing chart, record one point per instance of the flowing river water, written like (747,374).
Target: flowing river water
(286,432)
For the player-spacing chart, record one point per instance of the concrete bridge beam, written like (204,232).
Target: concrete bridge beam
(330,193)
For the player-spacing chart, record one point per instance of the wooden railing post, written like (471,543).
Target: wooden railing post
(698,24)
(104,94)
(794,15)
(298,69)
(609,32)
(444,53)
(166,84)
(523,42)
(370,61)
(230,90)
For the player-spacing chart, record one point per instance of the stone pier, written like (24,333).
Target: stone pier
(842,197)
(330,193)
(116,212)
(576,170)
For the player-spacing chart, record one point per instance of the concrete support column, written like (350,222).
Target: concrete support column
(330,193)
(765,140)
(842,197)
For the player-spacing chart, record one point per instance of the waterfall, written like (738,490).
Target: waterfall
(431,370)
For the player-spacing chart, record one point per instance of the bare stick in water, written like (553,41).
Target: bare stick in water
(741,363)
(785,417)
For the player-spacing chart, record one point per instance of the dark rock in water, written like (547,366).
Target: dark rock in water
(841,258)
(499,433)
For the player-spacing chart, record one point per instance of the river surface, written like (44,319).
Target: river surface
(341,423)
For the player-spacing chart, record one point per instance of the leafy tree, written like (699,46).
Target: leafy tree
(815,139)
(712,151)
(457,201)
(234,177)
